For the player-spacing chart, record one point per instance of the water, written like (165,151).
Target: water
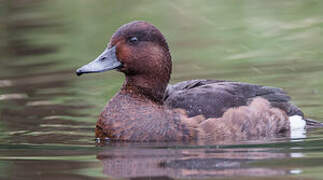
(48,114)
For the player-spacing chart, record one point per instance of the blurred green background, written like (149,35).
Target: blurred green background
(47,114)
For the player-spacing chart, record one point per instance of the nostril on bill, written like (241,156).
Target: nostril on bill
(103,58)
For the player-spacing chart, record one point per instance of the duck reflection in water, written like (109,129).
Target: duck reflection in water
(188,163)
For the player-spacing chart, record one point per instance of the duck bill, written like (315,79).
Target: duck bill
(106,61)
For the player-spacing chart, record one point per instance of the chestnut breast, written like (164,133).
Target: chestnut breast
(132,118)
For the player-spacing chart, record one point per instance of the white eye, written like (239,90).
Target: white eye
(133,40)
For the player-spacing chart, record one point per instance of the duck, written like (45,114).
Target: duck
(148,108)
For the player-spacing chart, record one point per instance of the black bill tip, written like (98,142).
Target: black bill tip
(79,72)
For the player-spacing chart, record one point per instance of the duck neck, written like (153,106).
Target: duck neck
(143,86)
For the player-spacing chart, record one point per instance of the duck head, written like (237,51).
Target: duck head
(140,51)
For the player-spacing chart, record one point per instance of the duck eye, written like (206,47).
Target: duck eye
(133,40)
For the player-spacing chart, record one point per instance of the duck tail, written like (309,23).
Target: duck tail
(313,124)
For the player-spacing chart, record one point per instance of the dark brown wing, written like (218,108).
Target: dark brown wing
(213,97)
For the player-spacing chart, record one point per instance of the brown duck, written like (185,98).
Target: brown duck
(148,109)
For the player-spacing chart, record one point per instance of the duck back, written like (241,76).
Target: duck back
(212,98)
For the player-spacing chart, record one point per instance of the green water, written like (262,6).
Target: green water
(48,115)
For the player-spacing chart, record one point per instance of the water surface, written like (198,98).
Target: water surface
(48,114)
